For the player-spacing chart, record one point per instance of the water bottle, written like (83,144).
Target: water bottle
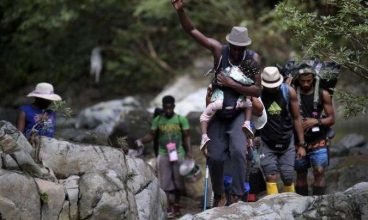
(173,154)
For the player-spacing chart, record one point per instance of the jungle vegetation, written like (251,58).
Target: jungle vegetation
(144,46)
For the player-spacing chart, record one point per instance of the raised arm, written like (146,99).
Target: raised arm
(211,44)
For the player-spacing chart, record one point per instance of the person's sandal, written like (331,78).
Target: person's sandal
(247,130)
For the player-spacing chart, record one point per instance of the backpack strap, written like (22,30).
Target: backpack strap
(316,98)
(248,54)
(181,126)
(182,134)
(158,123)
(285,92)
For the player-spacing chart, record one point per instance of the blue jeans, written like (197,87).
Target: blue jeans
(316,158)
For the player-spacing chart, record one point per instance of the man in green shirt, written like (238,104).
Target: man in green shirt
(172,131)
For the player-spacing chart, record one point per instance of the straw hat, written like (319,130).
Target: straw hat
(271,77)
(239,36)
(45,91)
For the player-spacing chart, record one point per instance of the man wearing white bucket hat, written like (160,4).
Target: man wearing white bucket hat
(277,138)
(225,133)
(36,117)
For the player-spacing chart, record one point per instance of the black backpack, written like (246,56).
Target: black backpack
(157,112)
(326,74)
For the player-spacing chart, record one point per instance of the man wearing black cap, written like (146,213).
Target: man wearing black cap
(225,134)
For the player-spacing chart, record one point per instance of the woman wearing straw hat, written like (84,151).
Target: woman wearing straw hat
(226,135)
(36,117)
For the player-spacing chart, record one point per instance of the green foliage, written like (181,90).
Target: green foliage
(123,143)
(354,104)
(62,107)
(340,35)
(44,197)
(52,41)
(142,41)
(336,31)
(130,177)
(144,46)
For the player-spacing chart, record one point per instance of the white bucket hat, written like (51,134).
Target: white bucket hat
(271,77)
(239,36)
(45,91)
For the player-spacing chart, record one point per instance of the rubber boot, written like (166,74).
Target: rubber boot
(290,188)
(271,188)
(302,190)
(319,190)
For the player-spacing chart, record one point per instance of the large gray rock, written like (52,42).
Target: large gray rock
(71,185)
(14,144)
(346,172)
(52,200)
(146,188)
(110,184)
(97,182)
(351,204)
(104,196)
(106,113)
(19,197)
(135,125)
(346,144)
(67,159)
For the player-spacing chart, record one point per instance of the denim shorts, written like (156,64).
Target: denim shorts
(316,158)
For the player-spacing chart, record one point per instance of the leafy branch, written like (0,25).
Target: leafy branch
(353,104)
(341,36)
(62,108)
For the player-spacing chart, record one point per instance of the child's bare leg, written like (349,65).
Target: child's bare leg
(205,117)
(204,126)
(248,114)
